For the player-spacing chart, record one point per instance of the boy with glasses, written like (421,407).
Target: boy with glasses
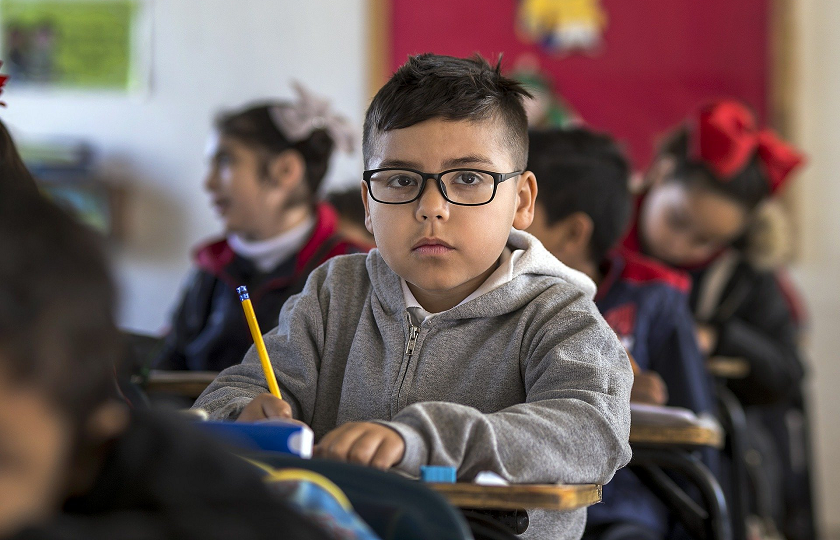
(460,341)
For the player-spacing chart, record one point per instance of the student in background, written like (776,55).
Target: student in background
(74,462)
(351,215)
(707,184)
(460,341)
(267,163)
(582,211)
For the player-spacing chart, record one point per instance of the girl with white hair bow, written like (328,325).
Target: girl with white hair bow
(267,162)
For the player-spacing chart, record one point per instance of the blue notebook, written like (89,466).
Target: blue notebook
(269,435)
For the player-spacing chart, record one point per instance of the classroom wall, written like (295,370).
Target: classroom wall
(817,128)
(206,55)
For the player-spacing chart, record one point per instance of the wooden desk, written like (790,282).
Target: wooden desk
(678,436)
(680,433)
(663,440)
(520,496)
(728,367)
(185,383)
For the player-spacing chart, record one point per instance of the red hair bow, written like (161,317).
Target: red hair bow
(726,137)
(3,79)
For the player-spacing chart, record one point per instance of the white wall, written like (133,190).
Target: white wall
(817,126)
(206,55)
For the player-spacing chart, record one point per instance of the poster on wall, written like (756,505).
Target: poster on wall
(562,26)
(90,45)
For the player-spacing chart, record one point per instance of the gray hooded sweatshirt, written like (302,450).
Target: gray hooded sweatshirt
(526,380)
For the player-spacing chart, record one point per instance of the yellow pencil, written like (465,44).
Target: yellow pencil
(258,340)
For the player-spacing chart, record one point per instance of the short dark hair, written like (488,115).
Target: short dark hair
(348,203)
(435,86)
(15,175)
(581,171)
(57,330)
(748,187)
(254,126)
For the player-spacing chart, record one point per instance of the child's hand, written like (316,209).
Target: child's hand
(649,388)
(706,338)
(265,406)
(364,443)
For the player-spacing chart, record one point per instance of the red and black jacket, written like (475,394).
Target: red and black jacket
(646,304)
(209,331)
(754,319)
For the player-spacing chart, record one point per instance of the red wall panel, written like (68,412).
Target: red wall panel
(660,58)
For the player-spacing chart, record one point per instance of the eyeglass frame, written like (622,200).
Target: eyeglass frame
(498,178)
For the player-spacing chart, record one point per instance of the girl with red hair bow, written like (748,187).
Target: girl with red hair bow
(708,184)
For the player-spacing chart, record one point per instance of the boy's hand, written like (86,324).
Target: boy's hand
(649,388)
(364,443)
(265,406)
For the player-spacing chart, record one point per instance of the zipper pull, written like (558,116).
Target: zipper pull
(413,332)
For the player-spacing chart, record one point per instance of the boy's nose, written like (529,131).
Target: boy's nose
(432,204)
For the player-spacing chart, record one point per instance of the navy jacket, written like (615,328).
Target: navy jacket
(646,304)
(209,331)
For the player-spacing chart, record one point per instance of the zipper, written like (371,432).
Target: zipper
(413,333)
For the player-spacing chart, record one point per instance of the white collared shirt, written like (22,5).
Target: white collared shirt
(267,254)
(500,276)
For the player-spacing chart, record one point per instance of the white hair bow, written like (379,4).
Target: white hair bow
(298,120)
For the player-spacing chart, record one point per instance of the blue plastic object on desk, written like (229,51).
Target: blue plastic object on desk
(436,473)
(271,435)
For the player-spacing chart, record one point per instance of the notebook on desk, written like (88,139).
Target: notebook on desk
(657,415)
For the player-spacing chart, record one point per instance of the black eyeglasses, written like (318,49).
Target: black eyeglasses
(465,187)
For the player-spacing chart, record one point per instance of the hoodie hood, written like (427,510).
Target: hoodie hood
(535,271)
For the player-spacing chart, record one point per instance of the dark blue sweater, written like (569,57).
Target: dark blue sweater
(646,304)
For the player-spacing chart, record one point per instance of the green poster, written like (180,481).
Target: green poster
(79,44)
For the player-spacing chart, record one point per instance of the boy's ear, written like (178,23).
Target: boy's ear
(661,170)
(366,202)
(286,170)
(579,228)
(526,197)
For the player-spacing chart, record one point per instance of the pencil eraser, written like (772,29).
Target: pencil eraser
(436,473)
(243,293)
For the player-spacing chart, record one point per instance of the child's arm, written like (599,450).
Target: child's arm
(294,351)
(675,355)
(573,427)
(187,322)
(763,332)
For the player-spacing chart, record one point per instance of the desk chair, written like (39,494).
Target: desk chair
(654,455)
(734,423)
(141,349)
